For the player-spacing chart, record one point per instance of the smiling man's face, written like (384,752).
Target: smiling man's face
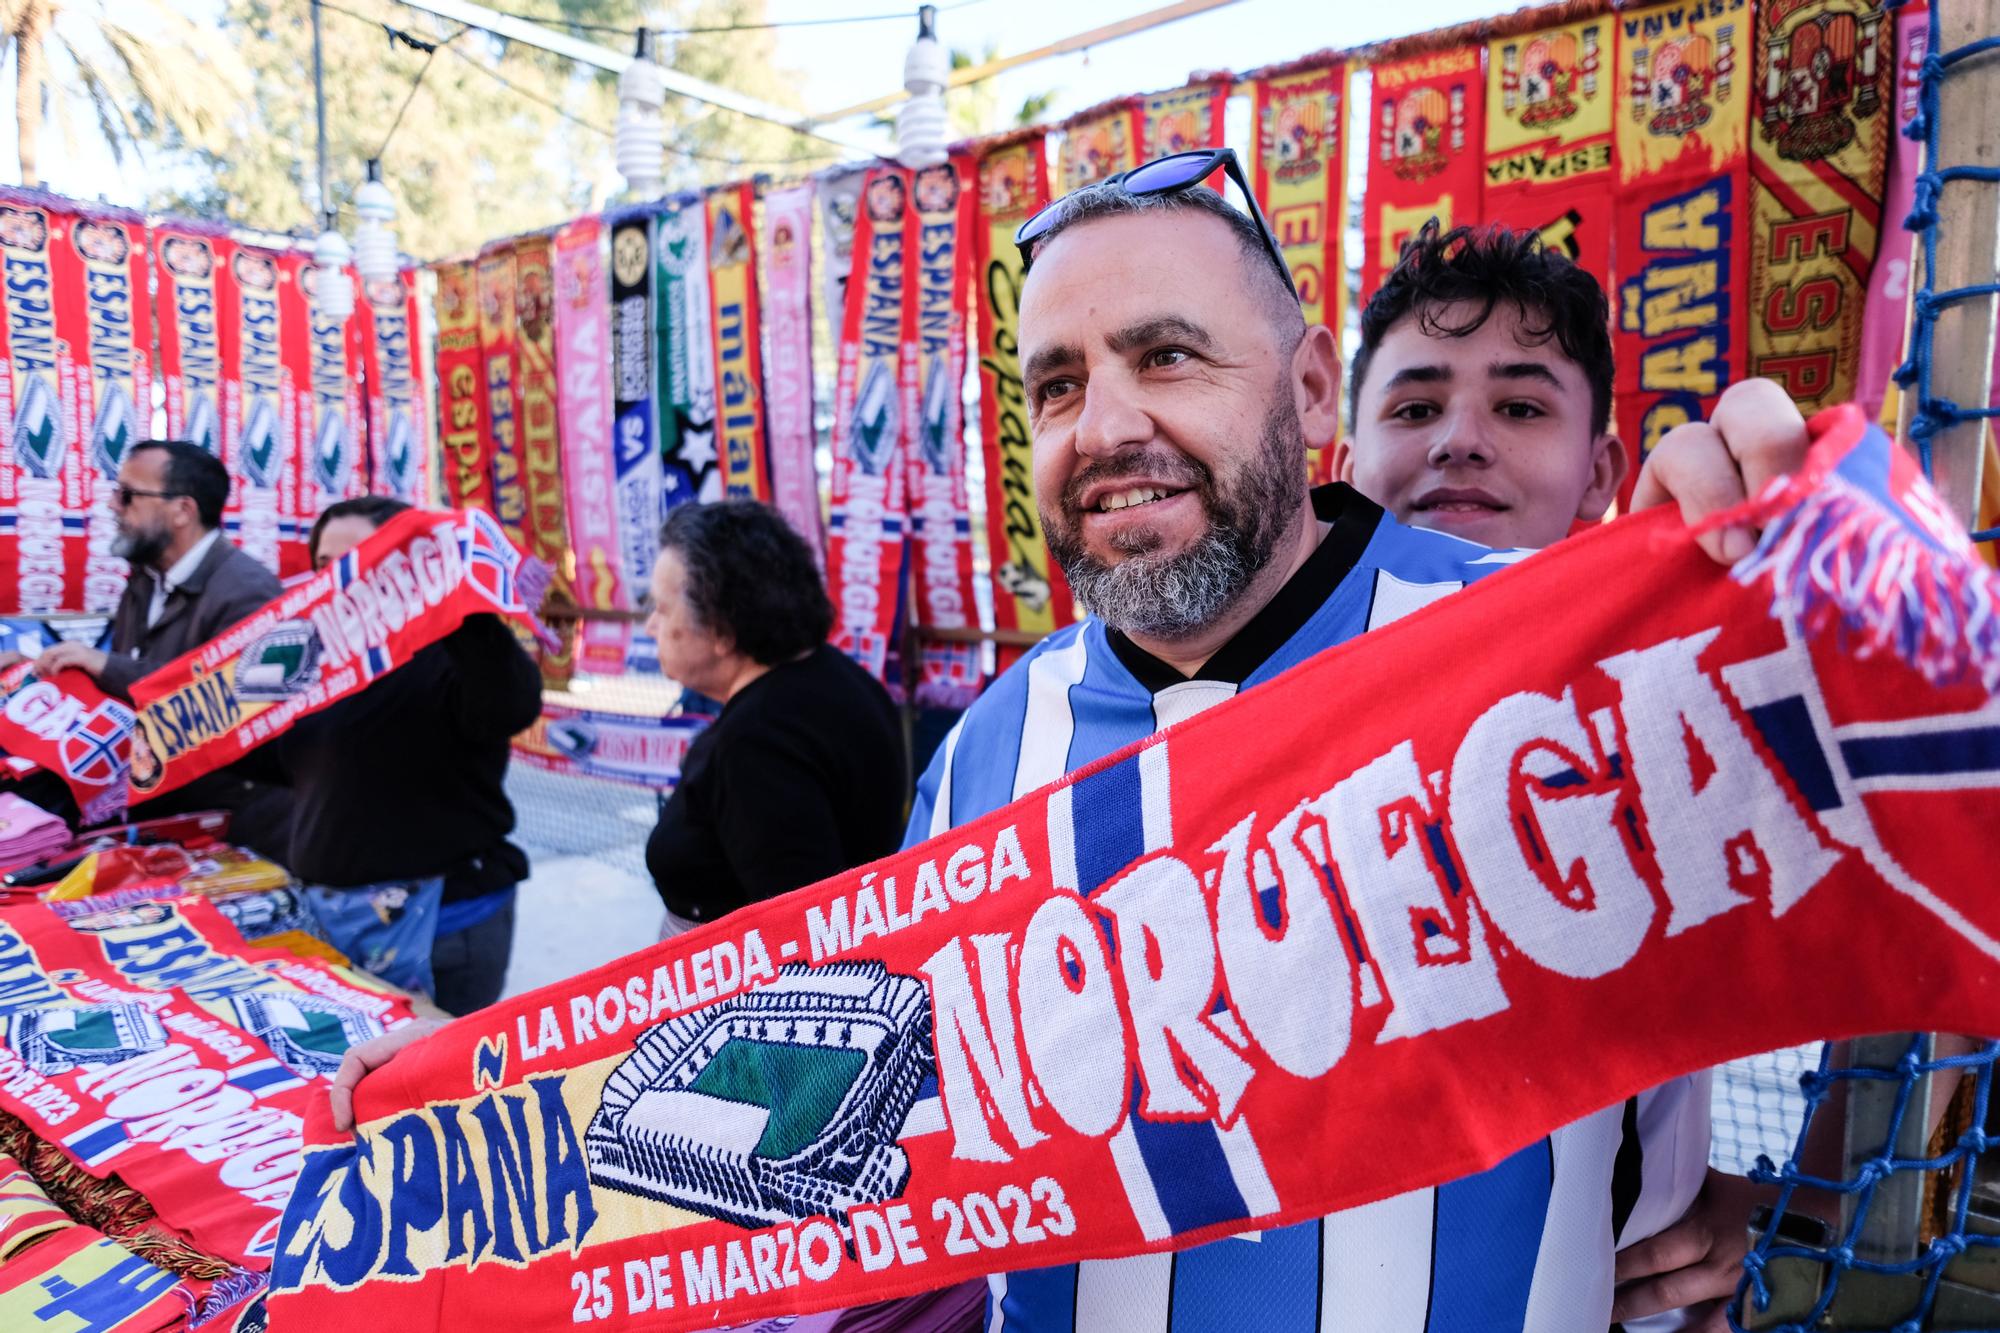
(1486,436)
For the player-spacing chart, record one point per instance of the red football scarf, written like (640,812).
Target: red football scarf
(1100,142)
(938,250)
(864,557)
(75,391)
(195,294)
(644,751)
(153,1042)
(467,453)
(788,376)
(264,334)
(733,329)
(72,729)
(1300,175)
(1550,97)
(1029,591)
(1426,157)
(545,534)
(329,450)
(1181,119)
(413,581)
(1683,214)
(589,456)
(497,350)
(1221,981)
(1885,319)
(392,361)
(1822,113)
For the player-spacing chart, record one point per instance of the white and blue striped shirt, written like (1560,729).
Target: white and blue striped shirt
(1527,1245)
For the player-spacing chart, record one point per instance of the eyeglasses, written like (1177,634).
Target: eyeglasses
(127,494)
(1164,175)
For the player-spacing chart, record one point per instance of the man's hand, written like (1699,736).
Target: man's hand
(10,658)
(1705,467)
(86,659)
(367,1057)
(1695,1262)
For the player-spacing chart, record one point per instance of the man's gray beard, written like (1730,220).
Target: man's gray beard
(140,548)
(1176,596)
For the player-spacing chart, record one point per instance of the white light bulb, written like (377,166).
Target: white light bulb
(638,138)
(375,256)
(922,133)
(333,294)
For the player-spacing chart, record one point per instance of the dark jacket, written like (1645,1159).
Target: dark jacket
(226,586)
(407,778)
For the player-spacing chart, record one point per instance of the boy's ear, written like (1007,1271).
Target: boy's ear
(1343,461)
(1316,385)
(1609,465)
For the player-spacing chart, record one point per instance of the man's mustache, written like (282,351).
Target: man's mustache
(1174,468)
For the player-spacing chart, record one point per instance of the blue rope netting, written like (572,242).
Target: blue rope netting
(1841,1256)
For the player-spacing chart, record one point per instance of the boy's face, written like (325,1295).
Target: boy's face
(1485,436)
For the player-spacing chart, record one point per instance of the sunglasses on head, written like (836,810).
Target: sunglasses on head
(1164,175)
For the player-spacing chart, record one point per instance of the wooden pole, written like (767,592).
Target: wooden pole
(1968,247)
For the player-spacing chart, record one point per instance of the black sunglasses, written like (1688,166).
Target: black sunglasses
(1164,175)
(127,494)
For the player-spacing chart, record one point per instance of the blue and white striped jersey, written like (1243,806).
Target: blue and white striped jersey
(1527,1245)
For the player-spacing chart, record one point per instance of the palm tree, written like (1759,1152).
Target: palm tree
(147,73)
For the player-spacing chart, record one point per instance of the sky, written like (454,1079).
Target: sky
(839,65)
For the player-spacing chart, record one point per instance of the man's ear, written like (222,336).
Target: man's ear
(1316,386)
(1608,468)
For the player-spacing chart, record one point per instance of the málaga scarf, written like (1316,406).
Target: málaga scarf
(1187,991)
(71,728)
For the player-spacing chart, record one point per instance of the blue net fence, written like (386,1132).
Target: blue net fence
(1887,1215)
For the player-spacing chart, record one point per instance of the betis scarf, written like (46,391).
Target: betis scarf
(1100,142)
(635,402)
(195,292)
(547,539)
(937,249)
(690,469)
(1029,591)
(330,458)
(467,456)
(499,352)
(265,335)
(1198,987)
(864,554)
(399,447)
(589,468)
(788,375)
(618,747)
(75,391)
(1550,97)
(1299,173)
(739,374)
(411,582)
(1180,119)
(151,1041)
(1682,201)
(1822,109)
(1427,154)
(1885,317)
(74,730)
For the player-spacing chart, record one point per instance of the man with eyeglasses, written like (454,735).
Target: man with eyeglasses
(189,583)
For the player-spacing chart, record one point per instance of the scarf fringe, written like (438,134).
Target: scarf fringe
(532,582)
(1836,560)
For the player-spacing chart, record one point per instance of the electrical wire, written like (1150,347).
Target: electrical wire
(702,30)
(430,54)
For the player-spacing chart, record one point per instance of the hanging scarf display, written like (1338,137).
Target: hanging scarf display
(838,193)
(391,341)
(1299,173)
(330,461)
(499,340)
(75,390)
(1885,315)
(131,1030)
(734,326)
(637,387)
(1550,97)
(1683,220)
(72,729)
(864,553)
(690,469)
(1180,119)
(788,368)
(263,333)
(1100,142)
(590,458)
(195,295)
(466,454)
(619,747)
(1822,111)
(546,535)
(1029,591)
(937,248)
(1427,155)
(919,1072)
(408,584)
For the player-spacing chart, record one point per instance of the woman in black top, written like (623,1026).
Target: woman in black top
(802,775)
